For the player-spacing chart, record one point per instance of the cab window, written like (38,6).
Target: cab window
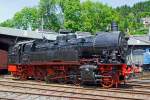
(27,47)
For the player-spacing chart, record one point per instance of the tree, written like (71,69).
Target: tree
(131,17)
(124,10)
(50,13)
(25,18)
(7,23)
(72,14)
(80,16)
(141,7)
(96,16)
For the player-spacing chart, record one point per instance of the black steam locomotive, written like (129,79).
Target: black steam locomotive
(100,58)
(108,47)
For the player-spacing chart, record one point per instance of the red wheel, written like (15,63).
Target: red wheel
(39,74)
(49,78)
(107,81)
(23,75)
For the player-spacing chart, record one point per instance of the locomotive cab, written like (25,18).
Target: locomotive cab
(16,52)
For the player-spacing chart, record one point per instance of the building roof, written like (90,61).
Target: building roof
(133,39)
(139,40)
(27,33)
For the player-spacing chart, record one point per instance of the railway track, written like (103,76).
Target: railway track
(133,83)
(140,83)
(30,89)
(32,93)
(132,86)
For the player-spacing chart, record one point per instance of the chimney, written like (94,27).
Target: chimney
(114,26)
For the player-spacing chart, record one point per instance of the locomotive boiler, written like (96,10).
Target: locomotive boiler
(99,59)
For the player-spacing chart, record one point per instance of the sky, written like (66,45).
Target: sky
(9,7)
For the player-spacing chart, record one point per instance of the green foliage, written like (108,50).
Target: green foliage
(72,14)
(81,16)
(96,16)
(25,18)
(143,14)
(7,23)
(140,31)
(131,17)
(48,12)
(124,10)
(141,7)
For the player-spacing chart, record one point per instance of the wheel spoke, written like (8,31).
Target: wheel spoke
(107,81)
